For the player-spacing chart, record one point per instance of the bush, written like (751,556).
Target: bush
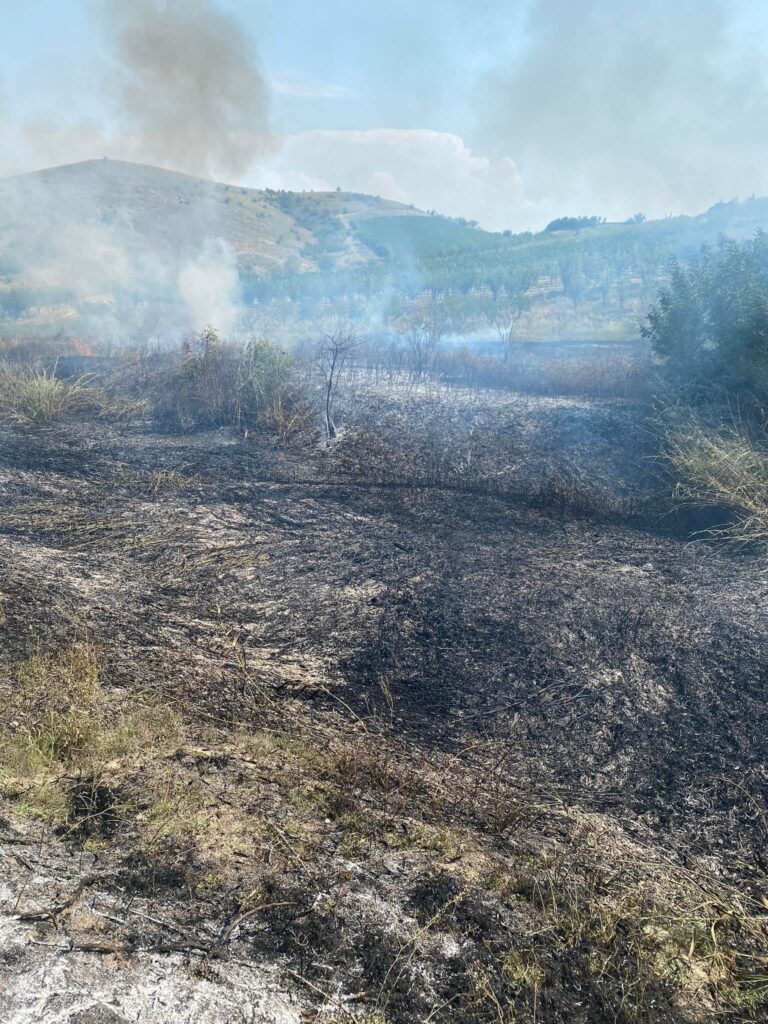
(219,384)
(208,383)
(711,323)
(262,376)
(711,327)
(205,381)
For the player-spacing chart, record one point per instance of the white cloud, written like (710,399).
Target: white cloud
(428,168)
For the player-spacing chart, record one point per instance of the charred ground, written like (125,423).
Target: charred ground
(458,724)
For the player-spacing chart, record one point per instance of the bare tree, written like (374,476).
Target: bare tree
(331,356)
(507,312)
(425,331)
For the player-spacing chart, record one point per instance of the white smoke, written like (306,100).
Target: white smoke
(616,106)
(210,287)
(188,95)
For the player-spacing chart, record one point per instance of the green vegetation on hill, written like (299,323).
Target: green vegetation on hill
(597,276)
(99,240)
(396,238)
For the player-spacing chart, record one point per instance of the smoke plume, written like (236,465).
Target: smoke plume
(75,243)
(210,287)
(187,87)
(84,247)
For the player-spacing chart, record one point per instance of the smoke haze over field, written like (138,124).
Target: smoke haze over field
(523,113)
(602,107)
(614,106)
(186,93)
(78,241)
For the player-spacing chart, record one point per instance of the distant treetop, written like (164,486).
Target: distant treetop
(574,223)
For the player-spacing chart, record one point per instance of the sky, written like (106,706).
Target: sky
(509,112)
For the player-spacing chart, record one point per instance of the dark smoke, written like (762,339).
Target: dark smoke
(188,90)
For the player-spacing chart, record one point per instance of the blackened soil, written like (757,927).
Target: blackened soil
(627,672)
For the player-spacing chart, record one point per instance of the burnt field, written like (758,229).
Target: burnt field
(465,727)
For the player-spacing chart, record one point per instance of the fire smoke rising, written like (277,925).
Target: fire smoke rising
(187,87)
(188,95)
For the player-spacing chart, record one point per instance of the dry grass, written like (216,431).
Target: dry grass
(32,397)
(288,414)
(261,810)
(35,397)
(724,469)
(168,481)
(61,728)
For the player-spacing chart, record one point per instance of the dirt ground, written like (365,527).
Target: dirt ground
(575,703)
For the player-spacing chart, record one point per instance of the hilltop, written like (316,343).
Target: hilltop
(266,229)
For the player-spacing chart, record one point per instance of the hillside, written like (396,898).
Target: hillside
(90,246)
(171,211)
(591,283)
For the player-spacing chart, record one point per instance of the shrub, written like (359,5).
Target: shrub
(711,323)
(219,384)
(33,397)
(711,327)
(261,380)
(722,468)
(205,381)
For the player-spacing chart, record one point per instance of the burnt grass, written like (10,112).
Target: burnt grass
(495,576)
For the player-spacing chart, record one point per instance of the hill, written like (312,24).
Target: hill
(594,282)
(266,229)
(121,248)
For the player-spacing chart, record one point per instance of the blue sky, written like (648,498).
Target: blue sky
(334,65)
(510,112)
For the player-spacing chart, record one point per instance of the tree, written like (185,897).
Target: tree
(574,223)
(331,355)
(508,311)
(572,276)
(425,331)
(676,325)
(711,322)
